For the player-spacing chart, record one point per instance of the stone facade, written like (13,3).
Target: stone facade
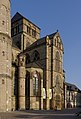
(5,56)
(40,67)
(72,96)
(31,68)
(31,73)
(24,32)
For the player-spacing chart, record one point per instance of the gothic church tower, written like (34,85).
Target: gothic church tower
(5,56)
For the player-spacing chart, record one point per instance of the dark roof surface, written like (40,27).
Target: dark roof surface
(18,16)
(72,87)
(39,42)
(15,46)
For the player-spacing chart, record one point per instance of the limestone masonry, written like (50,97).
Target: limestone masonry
(32,75)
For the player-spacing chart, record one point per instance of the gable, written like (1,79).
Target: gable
(58,42)
(16,17)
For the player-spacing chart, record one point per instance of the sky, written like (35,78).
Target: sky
(61,15)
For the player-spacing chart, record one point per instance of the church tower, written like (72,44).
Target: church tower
(5,56)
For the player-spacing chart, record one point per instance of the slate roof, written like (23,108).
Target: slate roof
(39,42)
(18,16)
(15,46)
(72,87)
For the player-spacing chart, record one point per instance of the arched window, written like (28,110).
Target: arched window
(36,56)
(57,62)
(27,58)
(36,81)
(35,85)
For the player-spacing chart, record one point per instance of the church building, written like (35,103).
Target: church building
(31,67)
(37,66)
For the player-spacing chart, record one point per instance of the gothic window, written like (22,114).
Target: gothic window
(36,55)
(57,62)
(27,58)
(35,84)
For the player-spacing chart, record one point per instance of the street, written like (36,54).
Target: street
(41,114)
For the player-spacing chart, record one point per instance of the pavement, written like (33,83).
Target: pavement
(42,114)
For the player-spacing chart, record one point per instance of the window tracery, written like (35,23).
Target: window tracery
(35,83)
(57,62)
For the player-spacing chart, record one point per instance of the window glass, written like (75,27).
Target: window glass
(35,85)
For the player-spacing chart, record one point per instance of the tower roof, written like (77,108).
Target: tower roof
(18,16)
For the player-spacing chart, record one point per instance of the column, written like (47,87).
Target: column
(21,85)
(46,72)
